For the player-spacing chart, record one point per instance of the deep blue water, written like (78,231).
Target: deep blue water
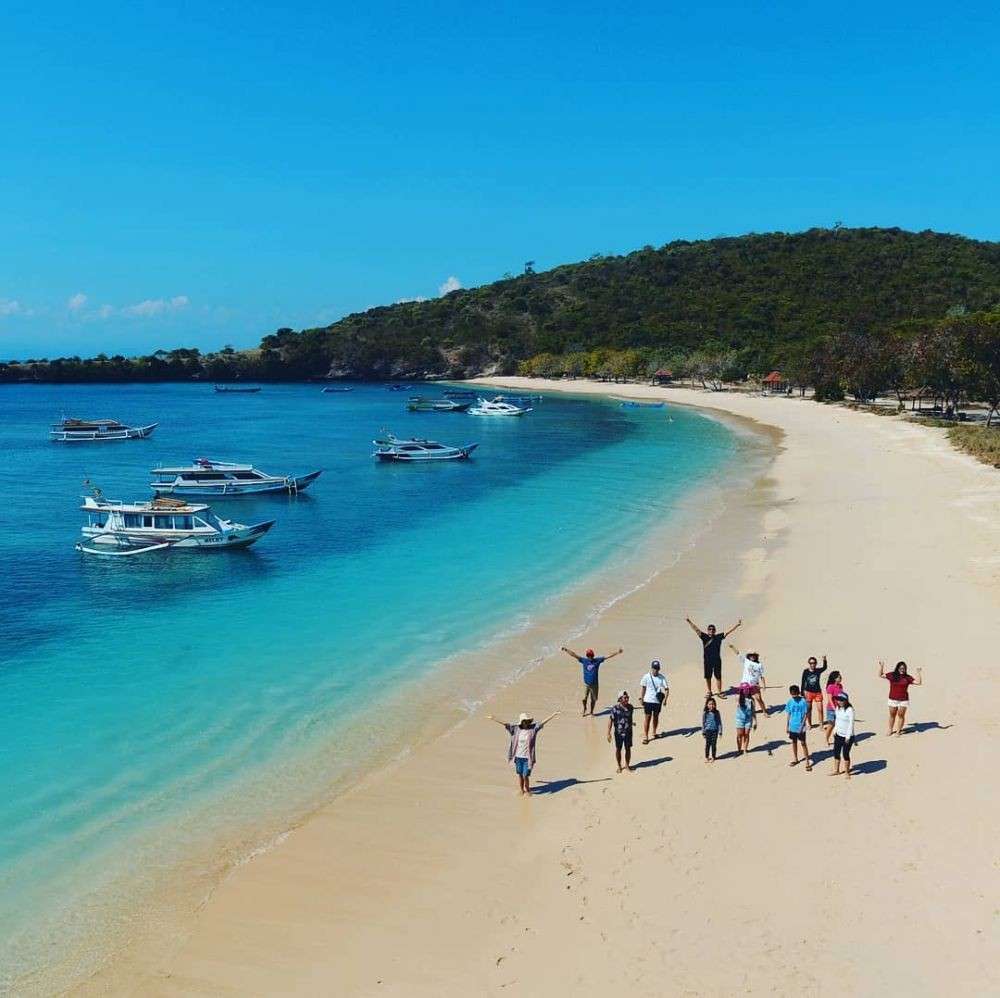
(134,689)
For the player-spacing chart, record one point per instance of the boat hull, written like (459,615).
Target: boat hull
(96,436)
(459,454)
(228,490)
(241,537)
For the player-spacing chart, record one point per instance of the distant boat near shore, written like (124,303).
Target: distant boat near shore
(421,404)
(631,404)
(497,407)
(392,448)
(237,389)
(330,389)
(96,430)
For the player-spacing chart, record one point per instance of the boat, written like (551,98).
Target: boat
(90,430)
(630,404)
(331,388)
(497,407)
(116,527)
(420,404)
(521,399)
(460,394)
(223,478)
(397,388)
(237,389)
(392,448)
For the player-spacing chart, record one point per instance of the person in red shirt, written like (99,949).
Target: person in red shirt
(899,693)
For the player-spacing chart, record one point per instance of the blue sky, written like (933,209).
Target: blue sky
(203,173)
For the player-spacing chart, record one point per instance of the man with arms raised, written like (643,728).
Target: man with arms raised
(591,666)
(711,641)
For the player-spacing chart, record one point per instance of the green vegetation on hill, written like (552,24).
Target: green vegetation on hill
(738,306)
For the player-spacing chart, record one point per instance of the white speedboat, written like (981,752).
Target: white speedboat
(237,389)
(116,527)
(91,430)
(390,448)
(497,407)
(222,478)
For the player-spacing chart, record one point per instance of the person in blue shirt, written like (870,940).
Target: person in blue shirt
(591,667)
(796,711)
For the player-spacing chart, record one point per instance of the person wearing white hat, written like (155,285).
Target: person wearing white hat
(521,750)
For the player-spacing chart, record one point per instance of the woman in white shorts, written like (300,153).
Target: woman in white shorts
(899,693)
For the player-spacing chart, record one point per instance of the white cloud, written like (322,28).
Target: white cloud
(451,284)
(105,311)
(76,302)
(405,301)
(155,306)
(10,306)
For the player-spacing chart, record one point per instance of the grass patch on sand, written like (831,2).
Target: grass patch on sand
(982,443)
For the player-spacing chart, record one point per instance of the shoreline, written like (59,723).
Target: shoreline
(465,889)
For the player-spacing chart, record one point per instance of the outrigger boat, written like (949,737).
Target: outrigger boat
(237,389)
(90,430)
(223,478)
(420,404)
(497,407)
(331,388)
(630,404)
(118,528)
(391,448)
(460,394)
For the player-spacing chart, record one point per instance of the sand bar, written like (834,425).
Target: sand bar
(868,537)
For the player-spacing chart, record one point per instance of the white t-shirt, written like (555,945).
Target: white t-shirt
(651,685)
(523,744)
(843,724)
(752,672)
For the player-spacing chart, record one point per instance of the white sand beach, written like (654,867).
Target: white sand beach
(867,538)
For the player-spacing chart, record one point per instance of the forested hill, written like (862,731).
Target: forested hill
(759,295)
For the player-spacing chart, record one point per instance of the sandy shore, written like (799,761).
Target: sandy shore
(867,538)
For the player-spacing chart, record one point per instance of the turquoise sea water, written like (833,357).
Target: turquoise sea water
(138,692)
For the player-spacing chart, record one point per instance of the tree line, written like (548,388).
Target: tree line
(954,360)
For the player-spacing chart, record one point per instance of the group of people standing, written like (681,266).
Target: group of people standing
(812,703)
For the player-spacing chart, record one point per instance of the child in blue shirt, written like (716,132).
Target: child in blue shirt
(796,711)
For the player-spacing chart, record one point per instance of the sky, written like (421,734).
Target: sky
(197,174)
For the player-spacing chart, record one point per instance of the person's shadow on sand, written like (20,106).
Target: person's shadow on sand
(867,768)
(686,732)
(647,763)
(770,746)
(920,726)
(555,786)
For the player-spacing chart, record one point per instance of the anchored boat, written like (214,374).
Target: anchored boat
(497,407)
(223,478)
(391,448)
(119,528)
(330,389)
(420,404)
(92,430)
(237,389)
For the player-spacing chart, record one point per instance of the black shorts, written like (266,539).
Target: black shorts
(652,708)
(623,741)
(797,736)
(713,669)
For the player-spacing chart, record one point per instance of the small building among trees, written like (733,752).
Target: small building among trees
(775,382)
(664,376)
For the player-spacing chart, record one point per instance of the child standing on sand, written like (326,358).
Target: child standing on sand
(746,718)
(711,728)
(521,750)
(834,686)
(796,710)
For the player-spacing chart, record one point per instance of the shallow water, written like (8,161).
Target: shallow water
(138,691)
